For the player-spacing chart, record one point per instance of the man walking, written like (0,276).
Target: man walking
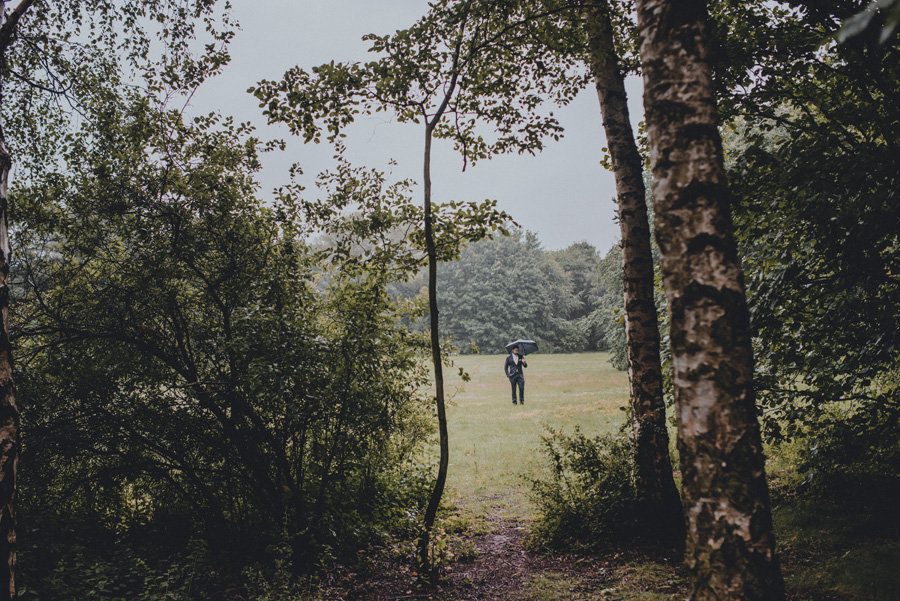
(513,370)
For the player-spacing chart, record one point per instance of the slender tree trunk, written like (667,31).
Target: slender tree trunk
(653,468)
(730,544)
(9,413)
(426,567)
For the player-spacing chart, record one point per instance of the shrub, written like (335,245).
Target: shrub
(852,456)
(188,358)
(589,496)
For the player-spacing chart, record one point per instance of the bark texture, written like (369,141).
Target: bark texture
(9,413)
(730,544)
(654,478)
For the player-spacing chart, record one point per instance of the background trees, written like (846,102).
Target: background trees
(570,300)
(509,288)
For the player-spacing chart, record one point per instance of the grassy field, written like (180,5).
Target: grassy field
(829,550)
(494,445)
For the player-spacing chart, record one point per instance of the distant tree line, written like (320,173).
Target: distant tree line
(510,287)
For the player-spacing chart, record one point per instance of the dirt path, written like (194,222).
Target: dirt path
(490,563)
(496,567)
(504,570)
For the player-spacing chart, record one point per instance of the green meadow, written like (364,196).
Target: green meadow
(495,445)
(827,550)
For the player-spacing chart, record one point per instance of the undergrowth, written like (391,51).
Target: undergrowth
(589,497)
(838,530)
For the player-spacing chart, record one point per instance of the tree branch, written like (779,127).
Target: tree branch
(9,26)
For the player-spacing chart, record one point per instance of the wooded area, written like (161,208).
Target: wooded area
(212,392)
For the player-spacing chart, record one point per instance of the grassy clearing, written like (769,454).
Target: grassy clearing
(494,443)
(847,550)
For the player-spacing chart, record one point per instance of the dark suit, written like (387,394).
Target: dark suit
(516,376)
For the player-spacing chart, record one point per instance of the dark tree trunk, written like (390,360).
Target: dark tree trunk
(9,413)
(730,544)
(653,468)
(426,567)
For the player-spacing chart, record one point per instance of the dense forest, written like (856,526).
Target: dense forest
(509,287)
(210,391)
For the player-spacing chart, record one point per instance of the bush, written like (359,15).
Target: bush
(589,497)
(850,456)
(189,359)
(80,563)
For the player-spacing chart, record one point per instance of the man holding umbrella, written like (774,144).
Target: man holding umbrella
(515,364)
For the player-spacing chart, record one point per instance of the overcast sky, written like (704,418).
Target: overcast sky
(563,194)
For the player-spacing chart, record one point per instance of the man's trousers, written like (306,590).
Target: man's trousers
(518,380)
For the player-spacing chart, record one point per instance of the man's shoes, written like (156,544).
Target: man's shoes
(515,403)
(521,402)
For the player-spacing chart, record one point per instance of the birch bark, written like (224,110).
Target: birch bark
(9,412)
(730,542)
(654,479)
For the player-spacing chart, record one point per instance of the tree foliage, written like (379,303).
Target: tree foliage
(63,54)
(814,158)
(180,361)
(52,57)
(460,41)
(509,288)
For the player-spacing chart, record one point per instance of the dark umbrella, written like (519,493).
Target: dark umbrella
(525,346)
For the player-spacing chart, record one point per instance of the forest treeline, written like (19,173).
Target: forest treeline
(509,287)
(206,402)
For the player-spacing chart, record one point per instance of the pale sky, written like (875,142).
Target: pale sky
(563,194)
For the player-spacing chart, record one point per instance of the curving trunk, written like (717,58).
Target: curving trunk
(653,468)
(425,563)
(730,543)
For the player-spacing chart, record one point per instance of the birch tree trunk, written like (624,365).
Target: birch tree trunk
(654,479)
(9,413)
(730,543)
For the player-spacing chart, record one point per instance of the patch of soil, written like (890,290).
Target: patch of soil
(502,571)
(504,568)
